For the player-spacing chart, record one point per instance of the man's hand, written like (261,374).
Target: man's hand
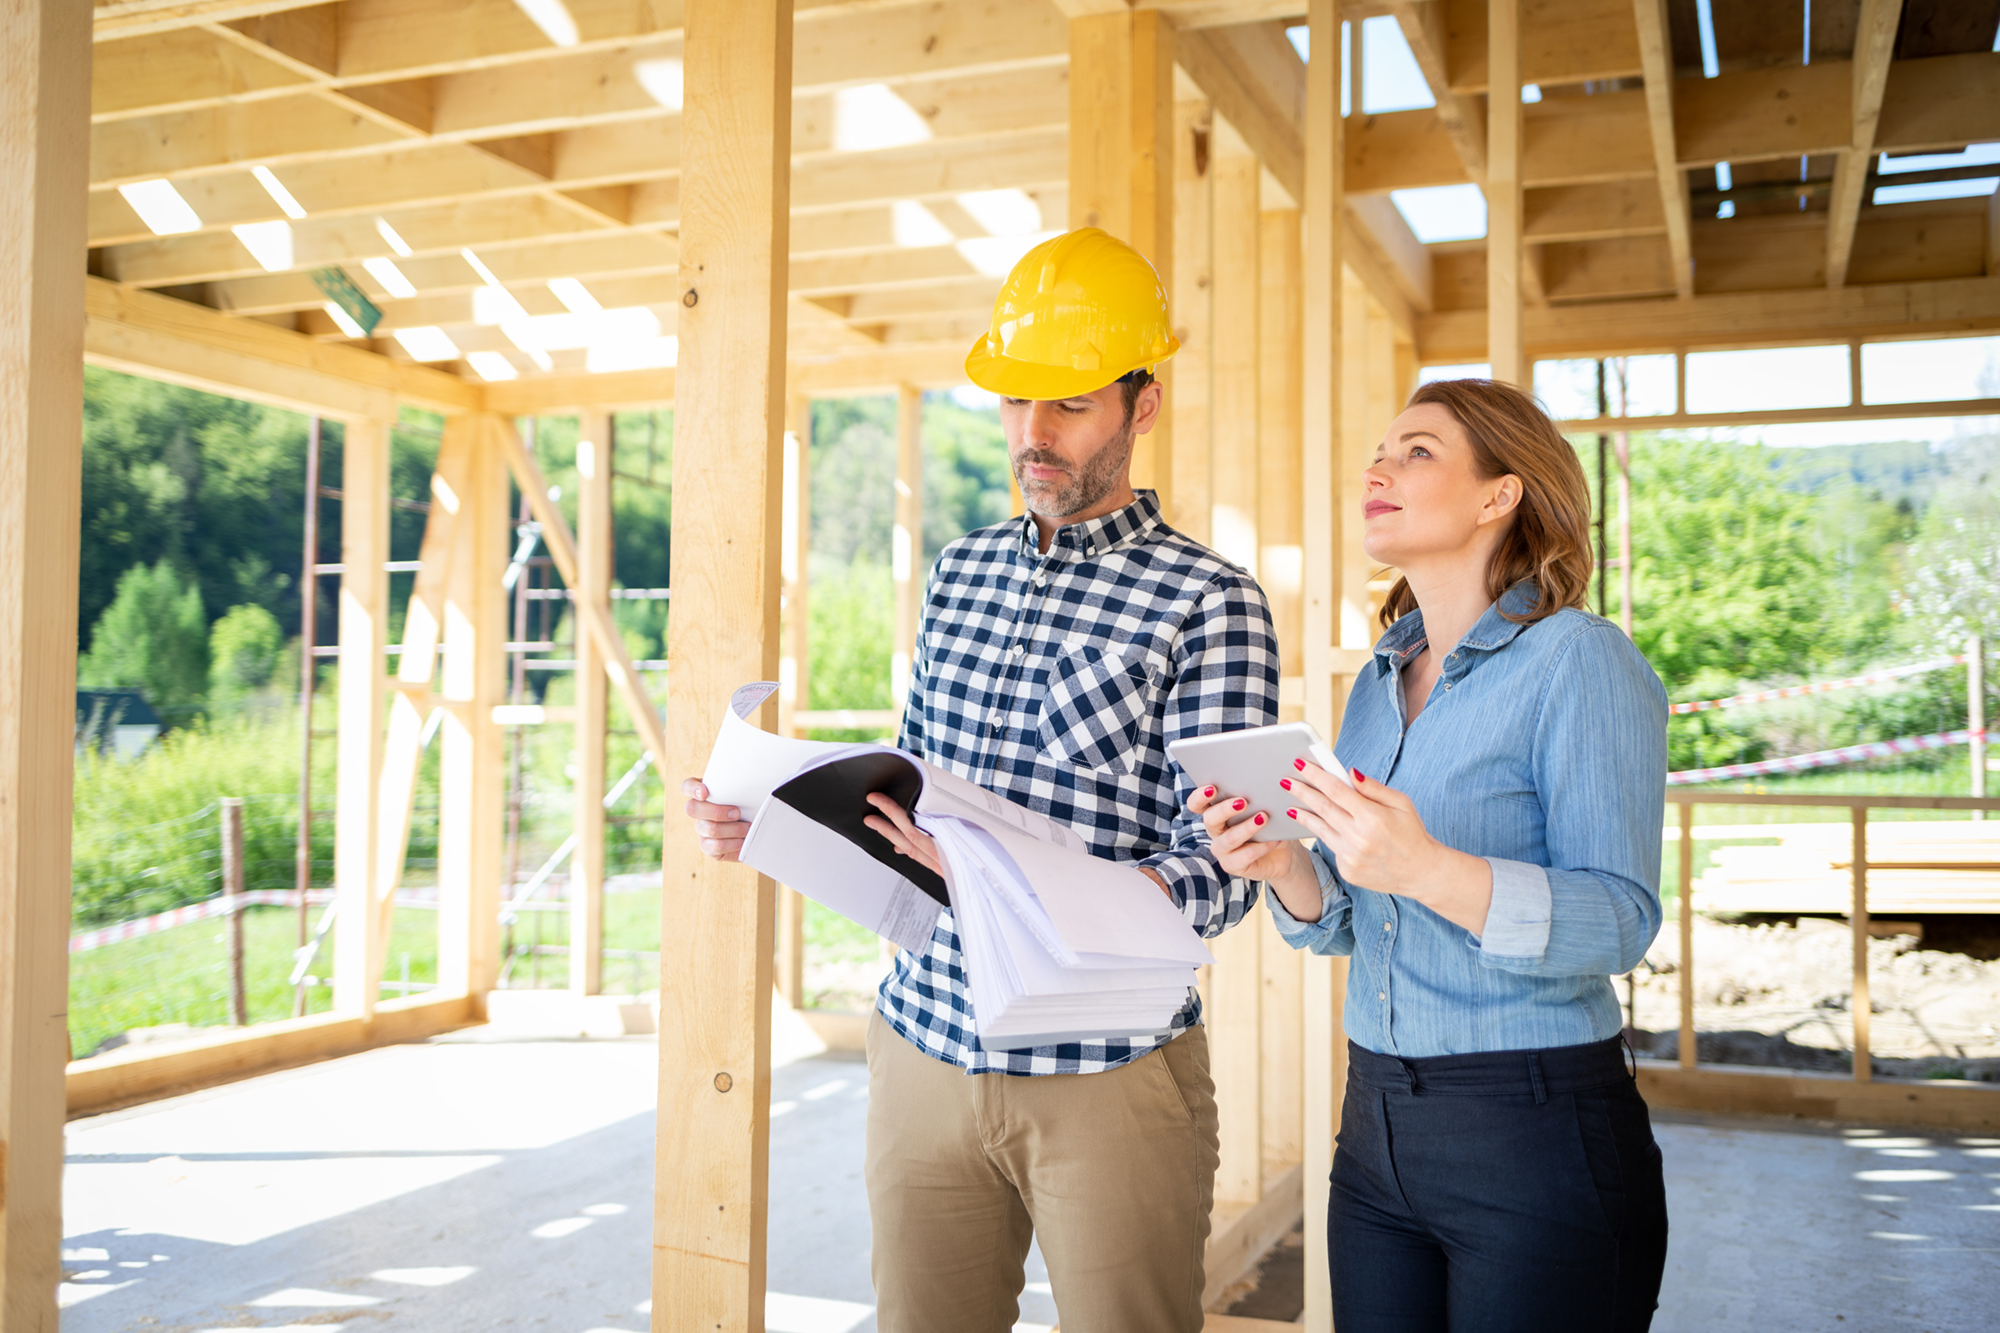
(722,828)
(895,824)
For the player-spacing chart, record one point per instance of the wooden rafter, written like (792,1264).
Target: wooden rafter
(1656,56)
(1874,43)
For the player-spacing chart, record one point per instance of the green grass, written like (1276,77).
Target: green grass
(182,975)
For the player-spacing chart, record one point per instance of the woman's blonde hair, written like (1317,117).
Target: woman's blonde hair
(1548,542)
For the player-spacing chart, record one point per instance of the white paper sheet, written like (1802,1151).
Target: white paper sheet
(747,762)
(793,849)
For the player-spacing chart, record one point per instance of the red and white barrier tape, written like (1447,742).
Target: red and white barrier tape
(1820,686)
(220,905)
(1846,754)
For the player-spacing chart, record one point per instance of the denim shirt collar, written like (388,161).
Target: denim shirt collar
(1094,537)
(1492,632)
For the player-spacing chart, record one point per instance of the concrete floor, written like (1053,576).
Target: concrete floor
(475,1184)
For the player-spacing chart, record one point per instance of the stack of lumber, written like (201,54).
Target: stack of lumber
(1914,866)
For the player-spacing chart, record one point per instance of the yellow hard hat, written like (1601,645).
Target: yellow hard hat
(1079,311)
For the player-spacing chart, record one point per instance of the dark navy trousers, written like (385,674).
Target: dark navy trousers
(1495,1192)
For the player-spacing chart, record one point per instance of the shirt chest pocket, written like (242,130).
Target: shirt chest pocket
(1094,710)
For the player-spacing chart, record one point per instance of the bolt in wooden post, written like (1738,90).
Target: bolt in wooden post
(232,888)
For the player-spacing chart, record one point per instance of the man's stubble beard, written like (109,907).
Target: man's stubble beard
(1082,489)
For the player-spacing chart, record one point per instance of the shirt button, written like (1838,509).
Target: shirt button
(1020,648)
(1387,926)
(1381,995)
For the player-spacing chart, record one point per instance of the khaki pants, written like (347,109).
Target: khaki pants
(1114,1171)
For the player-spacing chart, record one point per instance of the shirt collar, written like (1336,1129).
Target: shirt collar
(1094,537)
(1492,630)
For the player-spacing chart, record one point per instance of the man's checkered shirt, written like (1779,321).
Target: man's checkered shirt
(1057,681)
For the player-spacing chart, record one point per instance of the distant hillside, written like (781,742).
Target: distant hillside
(1896,470)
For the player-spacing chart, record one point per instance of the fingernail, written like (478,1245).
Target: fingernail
(1258,821)
(1238,806)
(1207,793)
(1286,783)
(1293,814)
(1299,764)
(1359,776)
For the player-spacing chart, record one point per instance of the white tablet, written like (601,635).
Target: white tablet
(1250,763)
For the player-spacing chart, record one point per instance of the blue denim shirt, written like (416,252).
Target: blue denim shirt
(1543,749)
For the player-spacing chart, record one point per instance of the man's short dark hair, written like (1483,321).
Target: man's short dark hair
(1133,383)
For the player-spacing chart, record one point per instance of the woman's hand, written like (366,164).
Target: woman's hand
(894,823)
(1285,866)
(1379,842)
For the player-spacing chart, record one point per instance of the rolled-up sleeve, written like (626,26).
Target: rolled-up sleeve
(1600,766)
(1333,933)
(1225,679)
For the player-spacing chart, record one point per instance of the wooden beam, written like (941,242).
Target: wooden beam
(470,684)
(1593,212)
(141,333)
(1874,44)
(360,941)
(1505,130)
(1751,319)
(906,539)
(1758,114)
(715,968)
(1322,1063)
(596,462)
(44,110)
(1940,102)
(1121,161)
(1657,56)
(795,660)
(1236,1051)
(1281,395)
(1358,432)
(1194,319)
(1957,407)
(1462,118)
(1571,41)
(1261,98)
(1237,362)
(619,389)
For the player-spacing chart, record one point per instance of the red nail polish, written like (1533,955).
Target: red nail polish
(1286,783)
(1299,764)
(1292,813)
(1208,793)
(1239,805)
(1259,821)
(1359,777)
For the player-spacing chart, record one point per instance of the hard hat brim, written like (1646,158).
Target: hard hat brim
(1011,378)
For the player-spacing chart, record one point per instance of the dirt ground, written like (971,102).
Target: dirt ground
(1778,992)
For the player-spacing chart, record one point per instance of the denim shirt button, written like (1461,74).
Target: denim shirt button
(1381,995)
(1387,926)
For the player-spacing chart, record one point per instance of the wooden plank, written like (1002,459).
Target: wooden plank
(1809,316)
(795,661)
(1505,129)
(1595,270)
(1757,114)
(616,389)
(1940,103)
(1240,1235)
(1237,362)
(1358,433)
(178,70)
(1121,161)
(906,539)
(1322,297)
(1562,41)
(1593,212)
(147,1071)
(1874,44)
(44,111)
(1656,53)
(161,338)
(470,683)
(1258,101)
(1236,1050)
(360,944)
(1462,118)
(1934,1103)
(715,962)
(1281,393)
(1194,319)
(596,461)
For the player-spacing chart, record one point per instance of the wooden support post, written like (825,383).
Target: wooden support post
(1975,714)
(1280,502)
(1356,429)
(1121,161)
(906,553)
(1236,1054)
(713,1158)
(359,942)
(1656,59)
(596,454)
(1684,917)
(795,662)
(44,149)
(232,888)
(1506,344)
(1858,1006)
(1236,363)
(1193,311)
(1281,1027)
(1874,44)
(1323,1063)
(471,772)
(416,666)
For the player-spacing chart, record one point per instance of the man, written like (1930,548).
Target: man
(1059,654)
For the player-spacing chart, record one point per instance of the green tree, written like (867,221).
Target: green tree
(244,648)
(153,637)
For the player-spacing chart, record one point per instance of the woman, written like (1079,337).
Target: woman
(1494,863)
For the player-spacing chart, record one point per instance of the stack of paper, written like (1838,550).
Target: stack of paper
(1059,945)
